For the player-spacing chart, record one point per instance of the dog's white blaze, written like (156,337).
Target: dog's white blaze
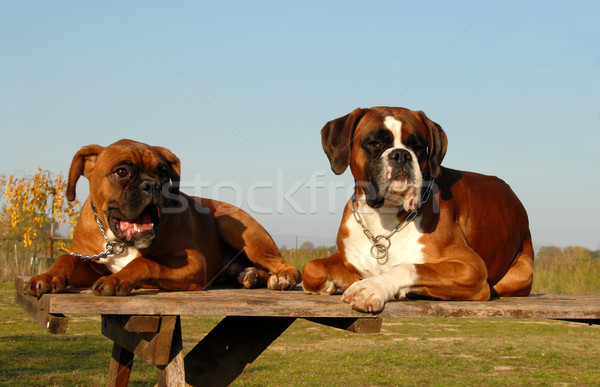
(404,252)
(395,127)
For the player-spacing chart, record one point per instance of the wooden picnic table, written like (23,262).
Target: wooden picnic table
(147,323)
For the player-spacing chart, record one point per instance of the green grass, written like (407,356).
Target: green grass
(572,270)
(406,352)
(433,352)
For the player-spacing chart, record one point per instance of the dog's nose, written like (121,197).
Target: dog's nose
(399,156)
(150,186)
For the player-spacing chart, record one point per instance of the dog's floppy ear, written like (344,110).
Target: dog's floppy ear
(438,143)
(336,137)
(83,164)
(175,166)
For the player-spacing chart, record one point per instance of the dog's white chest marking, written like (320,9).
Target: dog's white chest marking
(404,248)
(115,263)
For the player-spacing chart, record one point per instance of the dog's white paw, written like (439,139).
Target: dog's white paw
(366,296)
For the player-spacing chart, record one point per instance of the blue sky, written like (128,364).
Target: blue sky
(240,90)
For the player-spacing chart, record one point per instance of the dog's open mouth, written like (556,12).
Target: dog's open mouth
(398,176)
(142,227)
(399,179)
(401,189)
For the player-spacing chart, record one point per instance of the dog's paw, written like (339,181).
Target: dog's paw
(365,296)
(111,286)
(45,283)
(282,281)
(248,277)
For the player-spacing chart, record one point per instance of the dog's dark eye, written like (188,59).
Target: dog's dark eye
(373,144)
(121,173)
(163,173)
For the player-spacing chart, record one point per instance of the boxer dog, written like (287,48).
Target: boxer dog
(413,227)
(136,229)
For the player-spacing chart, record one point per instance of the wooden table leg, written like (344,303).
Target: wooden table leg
(230,347)
(155,339)
(120,367)
(173,374)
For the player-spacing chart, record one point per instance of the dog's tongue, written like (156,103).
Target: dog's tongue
(410,202)
(141,224)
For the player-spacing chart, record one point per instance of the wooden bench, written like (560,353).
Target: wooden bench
(147,323)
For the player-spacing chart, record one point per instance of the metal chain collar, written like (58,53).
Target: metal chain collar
(381,243)
(112,248)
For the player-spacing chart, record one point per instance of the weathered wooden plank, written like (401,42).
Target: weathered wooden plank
(230,347)
(297,304)
(262,302)
(53,323)
(213,302)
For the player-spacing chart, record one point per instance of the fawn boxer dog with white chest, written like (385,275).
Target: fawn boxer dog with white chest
(137,229)
(414,227)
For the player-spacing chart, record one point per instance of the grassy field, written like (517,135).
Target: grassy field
(406,352)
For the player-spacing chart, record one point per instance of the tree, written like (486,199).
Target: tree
(37,203)
(308,245)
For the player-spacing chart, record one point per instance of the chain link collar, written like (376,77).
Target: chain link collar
(112,248)
(381,243)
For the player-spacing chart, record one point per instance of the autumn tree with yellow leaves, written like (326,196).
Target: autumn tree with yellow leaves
(34,206)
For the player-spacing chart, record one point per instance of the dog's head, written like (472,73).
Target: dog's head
(128,182)
(390,151)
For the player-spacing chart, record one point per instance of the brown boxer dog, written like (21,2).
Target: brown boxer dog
(136,229)
(413,227)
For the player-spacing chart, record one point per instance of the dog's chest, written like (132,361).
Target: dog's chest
(115,263)
(404,248)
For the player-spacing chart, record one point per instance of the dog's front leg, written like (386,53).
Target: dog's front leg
(68,270)
(182,273)
(464,279)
